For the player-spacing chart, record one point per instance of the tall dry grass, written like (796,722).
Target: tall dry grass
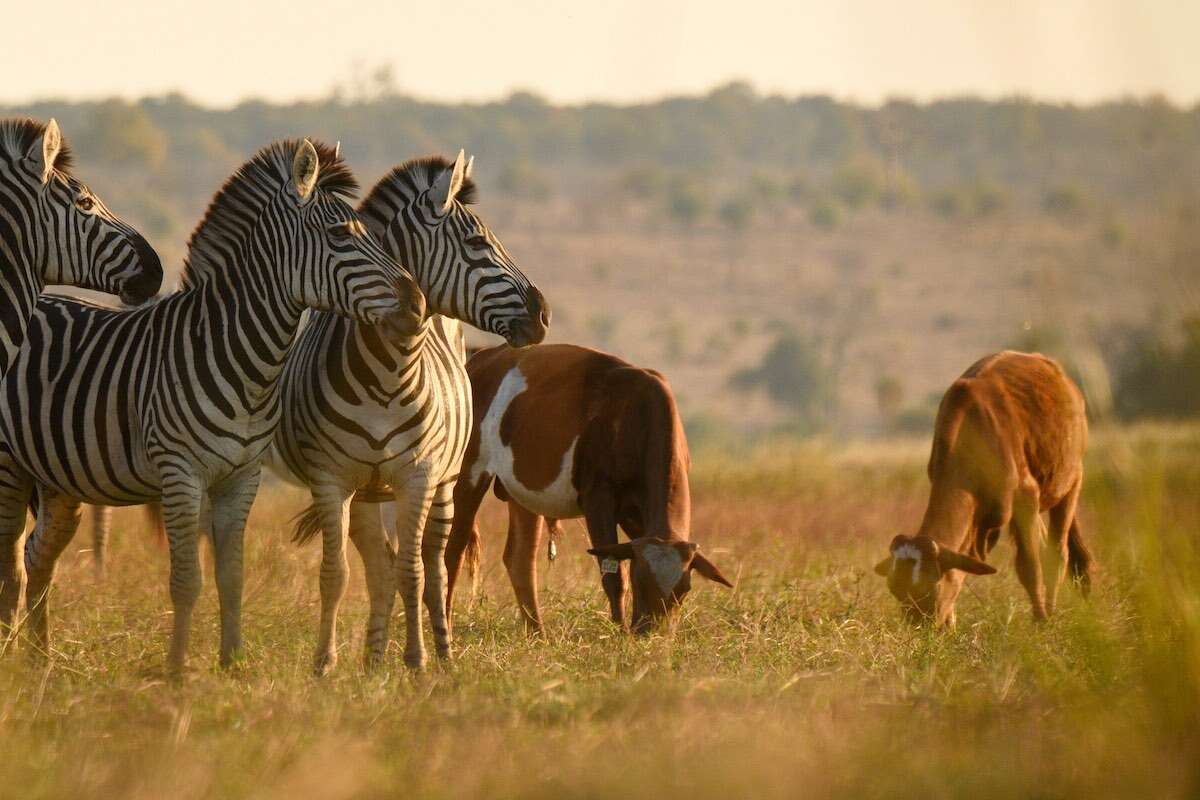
(800,682)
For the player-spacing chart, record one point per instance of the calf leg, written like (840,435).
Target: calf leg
(1054,553)
(379,563)
(520,559)
(58,520)
(1028,533)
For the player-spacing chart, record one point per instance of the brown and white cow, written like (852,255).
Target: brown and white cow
(563,432)
(1008,444)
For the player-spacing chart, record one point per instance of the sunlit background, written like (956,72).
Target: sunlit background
(811,217)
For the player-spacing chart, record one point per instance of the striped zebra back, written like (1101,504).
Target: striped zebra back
(53,229)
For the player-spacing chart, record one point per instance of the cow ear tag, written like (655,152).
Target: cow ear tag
(610,566)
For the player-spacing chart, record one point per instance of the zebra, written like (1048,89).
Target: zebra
(390,420)
(53,229)
(179,400)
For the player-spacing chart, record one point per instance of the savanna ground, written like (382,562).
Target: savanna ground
(802,681)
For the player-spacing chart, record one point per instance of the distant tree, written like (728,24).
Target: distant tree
(524,179)
(825,214)
(1065,202)
(858,181)
(644,181)
(126,135)
(889,397)
(686,201)
(794,374)
(735,213)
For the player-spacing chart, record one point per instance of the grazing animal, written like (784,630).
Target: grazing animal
(1008,444)
(179,401)
(53,229)
(390,418)
(564,432)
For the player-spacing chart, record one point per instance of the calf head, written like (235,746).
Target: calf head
(660,574)
(920,574)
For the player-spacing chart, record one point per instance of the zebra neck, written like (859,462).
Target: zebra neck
(244,338)
(391,362)
(20,285)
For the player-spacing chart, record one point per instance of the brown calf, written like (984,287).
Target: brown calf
(1008,444)
(565,432)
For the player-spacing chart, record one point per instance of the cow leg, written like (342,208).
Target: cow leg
(101,525)
(1028,532)
(520,559)
(464,533)
(1054,553)
(433,554)
(332,504)
(58,520)
(379,563)
(602,530)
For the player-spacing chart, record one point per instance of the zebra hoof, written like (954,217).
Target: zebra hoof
(414,661)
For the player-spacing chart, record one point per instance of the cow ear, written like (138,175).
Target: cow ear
(952,559)
(622,551)
(884,568)
(305,168)
(708,570)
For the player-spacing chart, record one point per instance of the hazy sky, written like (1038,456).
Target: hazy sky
(222,51)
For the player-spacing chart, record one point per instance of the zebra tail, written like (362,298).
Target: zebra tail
(308,525)
(472,554)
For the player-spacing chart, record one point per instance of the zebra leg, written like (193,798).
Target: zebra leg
(101,525)
(181,508)
(15,489)
(332,504)
(433,554)
(231,503)
(379,562)
(412,502)
(58,520)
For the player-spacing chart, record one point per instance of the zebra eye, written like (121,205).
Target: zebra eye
(85,203)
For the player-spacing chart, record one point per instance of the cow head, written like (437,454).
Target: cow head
(660,573)
(926,576)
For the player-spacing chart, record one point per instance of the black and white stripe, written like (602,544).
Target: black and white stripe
(53,229)
(180,400)
(390,418)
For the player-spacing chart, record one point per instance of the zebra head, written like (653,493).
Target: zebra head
(420,213)
(331,261)
(67,233)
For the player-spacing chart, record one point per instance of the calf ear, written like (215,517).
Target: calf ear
(952,559)
(708,570)
(622,551)
(884,568)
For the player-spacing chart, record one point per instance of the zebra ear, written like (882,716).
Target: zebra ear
(305,168)
(470,165)
(446,187)
(51,147)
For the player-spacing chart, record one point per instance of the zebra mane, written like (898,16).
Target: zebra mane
(397,188)
(234,209)
(19,134)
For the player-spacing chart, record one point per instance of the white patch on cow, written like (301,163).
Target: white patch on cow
(907,552)
(559,500)
(666,564)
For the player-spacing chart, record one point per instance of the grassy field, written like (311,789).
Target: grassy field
(800,682)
